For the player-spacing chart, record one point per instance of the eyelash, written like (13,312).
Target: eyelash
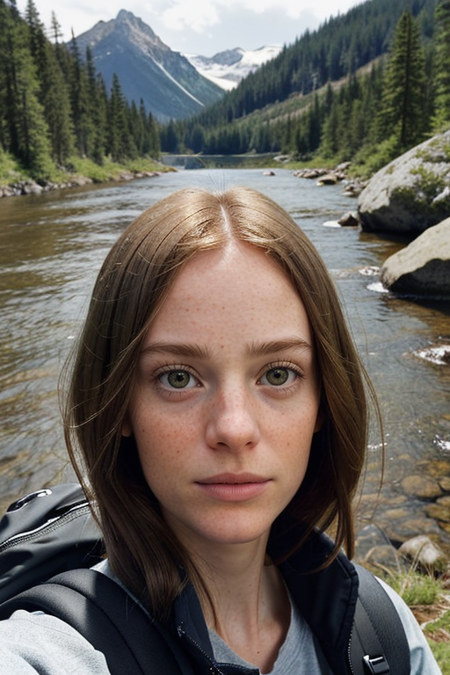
(173,368)
(281,365)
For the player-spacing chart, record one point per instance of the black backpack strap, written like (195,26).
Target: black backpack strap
(105,614)
(378,644)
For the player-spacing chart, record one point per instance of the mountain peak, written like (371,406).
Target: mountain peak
(127,18)
(148,70)
(124,14)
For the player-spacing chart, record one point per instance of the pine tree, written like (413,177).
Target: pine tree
(61,51)
(314,124)
(442,65)
(53,92)
(351,118)
(24,129)
(80,103)
(137,128)
(36,31)
(98,104)
(9,50)
(197,139)
(56,30)
(331,132)
(170,139)
(150,144)
(56,102)
(402,114)
(153,137)
(287,139)
(120,142)
(373,88)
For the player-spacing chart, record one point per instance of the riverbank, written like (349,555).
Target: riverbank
(50,250)
(14,181)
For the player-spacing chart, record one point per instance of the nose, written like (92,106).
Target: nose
(232,421)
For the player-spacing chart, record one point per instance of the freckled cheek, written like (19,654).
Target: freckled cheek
(295,436)
(161,464)
(297,450)
(163,443)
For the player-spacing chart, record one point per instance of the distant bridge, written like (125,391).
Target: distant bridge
(216,161)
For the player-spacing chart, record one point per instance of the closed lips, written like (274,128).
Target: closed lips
(231,479)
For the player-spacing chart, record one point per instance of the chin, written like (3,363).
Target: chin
(235,535)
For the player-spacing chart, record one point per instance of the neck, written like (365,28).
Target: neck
(235,576)
(250,608)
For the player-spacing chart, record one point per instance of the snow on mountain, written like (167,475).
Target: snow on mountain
(227,69)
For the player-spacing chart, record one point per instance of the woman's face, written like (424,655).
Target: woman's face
(226,398)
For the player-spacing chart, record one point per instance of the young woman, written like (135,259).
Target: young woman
(217,417)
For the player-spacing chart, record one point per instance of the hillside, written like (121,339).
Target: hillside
(364,88)
(341,46)
(170,87)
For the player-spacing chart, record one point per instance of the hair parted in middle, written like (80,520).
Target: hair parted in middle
(130,289)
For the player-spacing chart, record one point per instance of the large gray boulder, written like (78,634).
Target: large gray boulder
(423,267)
(411,193)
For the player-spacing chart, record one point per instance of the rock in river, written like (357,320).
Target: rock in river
(423,267)
(411,193)
(421,486)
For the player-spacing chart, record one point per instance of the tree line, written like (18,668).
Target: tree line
(371,115)
(318,97)
(54,105)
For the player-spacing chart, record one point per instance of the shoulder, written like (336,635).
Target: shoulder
(35,642)
(422,659)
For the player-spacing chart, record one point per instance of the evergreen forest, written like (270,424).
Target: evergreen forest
(364,87)
(54,107)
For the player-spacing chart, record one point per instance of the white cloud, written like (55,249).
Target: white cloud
(205,13)
(198,16)
(204,26)
(291,9)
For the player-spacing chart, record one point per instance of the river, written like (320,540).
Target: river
(51,247)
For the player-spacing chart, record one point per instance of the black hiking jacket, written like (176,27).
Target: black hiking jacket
(326,599)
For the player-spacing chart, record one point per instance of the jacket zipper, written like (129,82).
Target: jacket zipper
(352,670)
(213,669)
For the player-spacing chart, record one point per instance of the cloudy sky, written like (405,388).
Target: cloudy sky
(201,26)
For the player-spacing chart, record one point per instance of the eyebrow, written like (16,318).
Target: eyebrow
(263,348)
(254,349)
(180,349)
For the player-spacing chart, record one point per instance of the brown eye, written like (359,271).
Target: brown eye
(277,376)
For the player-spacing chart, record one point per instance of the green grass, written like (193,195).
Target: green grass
(438,636)
(11,171)
(441,652)
(415,588)
(317,161)
(102,173)
(424,594)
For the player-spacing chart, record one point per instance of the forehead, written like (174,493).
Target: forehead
(237,291)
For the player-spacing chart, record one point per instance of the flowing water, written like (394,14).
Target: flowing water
(51,247)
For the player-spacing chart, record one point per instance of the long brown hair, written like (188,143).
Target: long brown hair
(130,288)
